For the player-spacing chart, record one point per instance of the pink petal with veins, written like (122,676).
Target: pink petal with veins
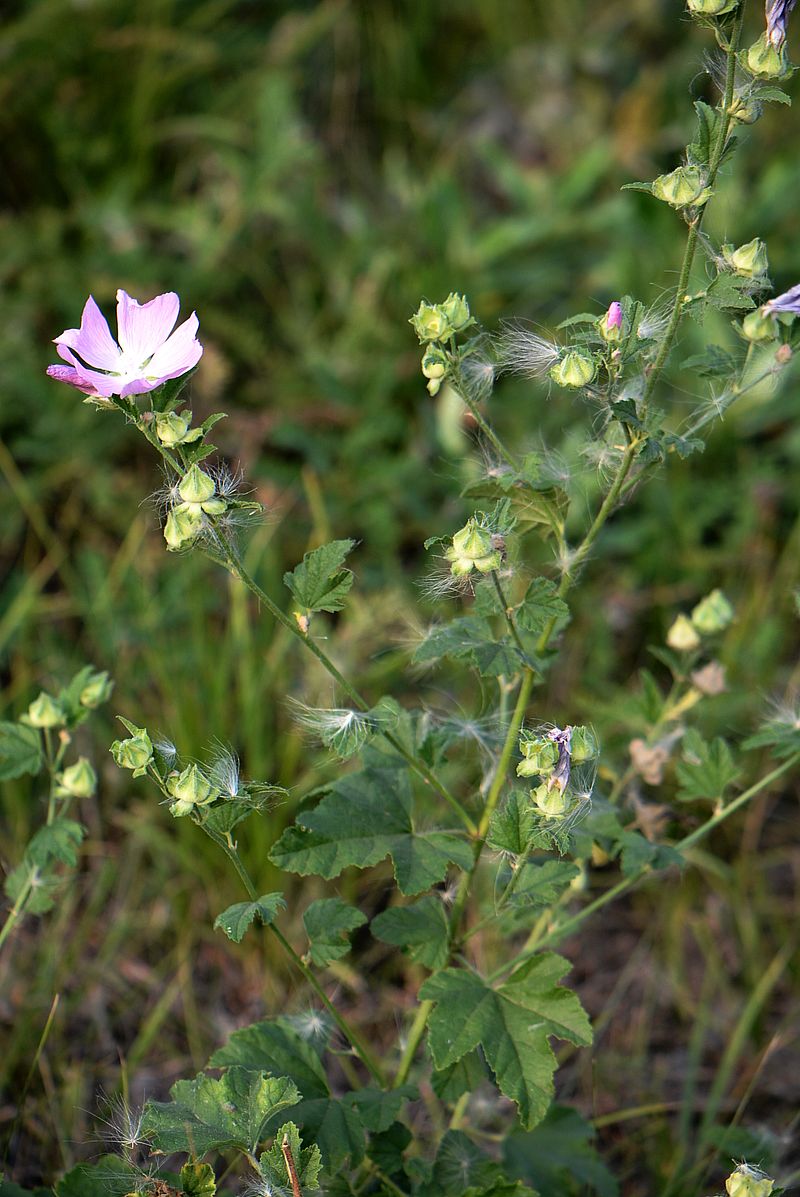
(179,354)
(93,341)
(142,328)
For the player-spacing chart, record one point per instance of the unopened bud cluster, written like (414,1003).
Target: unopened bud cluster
(436,324)
(198,497)
(747,1181)
(713,614)
(475,546)
(550,756)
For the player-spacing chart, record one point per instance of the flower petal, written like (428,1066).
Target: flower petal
(70,375)
(177,355)
(142,328)
(140,386)
(93,341)
(102,384)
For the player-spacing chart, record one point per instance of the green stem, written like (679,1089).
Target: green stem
(412,1043)
(626,883)
(352,1036)
(487,430)
(507,613)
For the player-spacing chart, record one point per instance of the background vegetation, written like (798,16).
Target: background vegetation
(301,173)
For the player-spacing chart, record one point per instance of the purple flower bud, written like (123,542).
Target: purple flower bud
(614,315)
(777,13)
(788,302)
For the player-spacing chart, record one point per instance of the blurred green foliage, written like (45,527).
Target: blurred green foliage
(301,173)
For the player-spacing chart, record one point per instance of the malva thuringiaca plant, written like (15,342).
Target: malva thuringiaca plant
(493,836)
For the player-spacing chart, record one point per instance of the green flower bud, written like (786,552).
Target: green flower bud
(711,8)
(576,369)
(759,326)
(712,614)
(96,691)
(583,745)
(745,111)
(190,788)
(682,187)
(749,260)
(553,803)
(766,61)
(435,365)
(682,635)
(747,1181)
(430,323)
(456,311)
(196,486)
(183,524)
(135,753)
(540,755)
(473,547)
(173,429)
(78,781)
(44,711)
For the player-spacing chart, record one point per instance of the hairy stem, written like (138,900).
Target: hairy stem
(507,613)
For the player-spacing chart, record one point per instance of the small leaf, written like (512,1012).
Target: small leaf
(421,928)
(379,1108)
(541,605)
(713,362)
(20,750)
(471,639)
(108,1177)
(328,923)
(307,1161)
(236,919)
(512,1022)
(274,1046)
(198,1180)
(464,1076)
(319,583)
(58,840)
(512,825)
(207,1114)
(461,1169)
(558,1156)
(706,770)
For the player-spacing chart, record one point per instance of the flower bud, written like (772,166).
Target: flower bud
(190,789)
(430,323)
(540,756)
(745,110)
(473,548)
(196,486)
(711,8)
(767,61)
(576,369)
(173,429)
(610,325)
(78,781)
(710,680)
(712,614)
(45,711)
(749,260)
(682,636)
(456,312)
(783,354)
(583,745)
(747,1181)
(96,691)
(759,326)
(553,803)
(135,753)
(682,187)
(183,524)
(435,365)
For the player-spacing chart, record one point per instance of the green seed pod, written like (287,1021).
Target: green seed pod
(682,188)
(473,547)
(96,691)
(682,635)
(576,369)
(766,61)
(712,614)
(183,524)
(745,111)
(747,1181)
(45,711)
(553,803)
(135,753)
(711,8)
(430,323)
(173,429)
(196,486)
(540,755)
(190,788)
(583,745)
(749,260)
(759,326)
(79,780)
(456,312)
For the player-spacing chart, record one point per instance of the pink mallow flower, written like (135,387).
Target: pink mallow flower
(148,353)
